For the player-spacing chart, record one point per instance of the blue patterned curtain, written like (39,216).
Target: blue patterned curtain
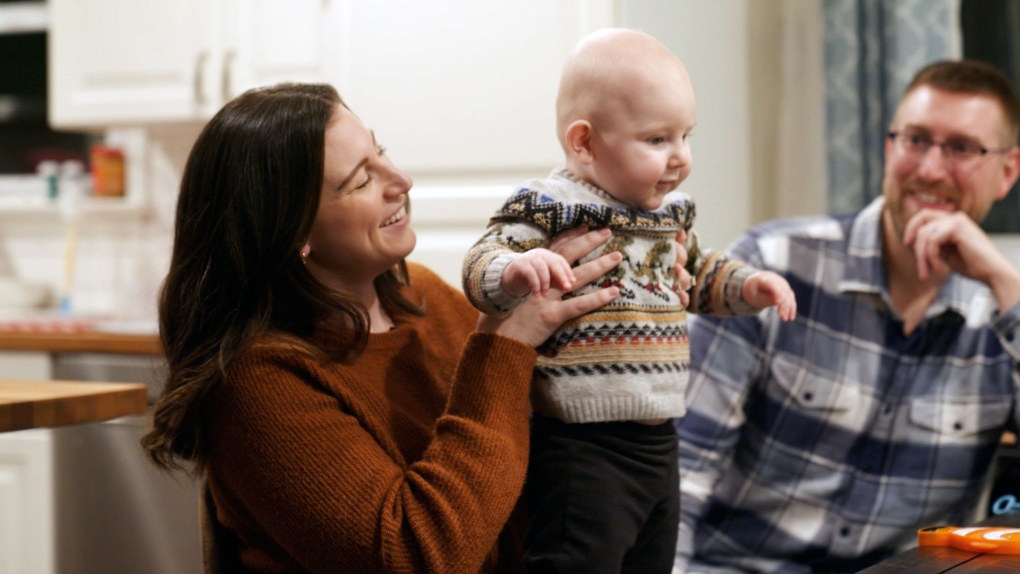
(872,49)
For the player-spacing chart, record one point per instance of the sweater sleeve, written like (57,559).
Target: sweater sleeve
(486,261)
(295,465)
(718,281)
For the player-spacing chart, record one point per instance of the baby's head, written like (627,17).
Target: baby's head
(624,112)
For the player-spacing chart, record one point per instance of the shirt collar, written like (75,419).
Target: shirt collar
(865,271)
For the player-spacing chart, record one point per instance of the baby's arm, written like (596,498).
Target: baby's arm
(486,262)
(727,287)
(535,271)
(767,289)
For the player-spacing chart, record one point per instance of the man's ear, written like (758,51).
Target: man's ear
(1010,172)
(578,140)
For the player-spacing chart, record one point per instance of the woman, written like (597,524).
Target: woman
(344,408)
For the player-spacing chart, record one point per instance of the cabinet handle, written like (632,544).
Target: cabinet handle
(228,64)
(203,56)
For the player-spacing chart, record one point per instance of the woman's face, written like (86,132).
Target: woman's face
(361,229)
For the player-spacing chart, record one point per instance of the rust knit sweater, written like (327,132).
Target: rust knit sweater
(410,460)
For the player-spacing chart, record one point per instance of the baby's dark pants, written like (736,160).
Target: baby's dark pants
(603,497)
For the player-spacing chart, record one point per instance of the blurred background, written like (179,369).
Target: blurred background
(100,101)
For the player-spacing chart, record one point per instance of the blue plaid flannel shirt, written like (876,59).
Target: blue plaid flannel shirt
(821,445)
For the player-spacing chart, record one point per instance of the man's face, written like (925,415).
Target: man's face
(914,181)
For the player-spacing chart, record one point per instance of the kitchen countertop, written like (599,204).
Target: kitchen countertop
(95,342)
(35,404)
(71,335)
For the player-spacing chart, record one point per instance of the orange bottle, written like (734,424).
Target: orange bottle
(107,166)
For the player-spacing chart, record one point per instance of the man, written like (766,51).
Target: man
(823,444)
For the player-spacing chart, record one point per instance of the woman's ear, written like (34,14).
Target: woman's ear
(578,140)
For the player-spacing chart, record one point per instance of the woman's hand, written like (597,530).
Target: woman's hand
(683,278)
(537,318)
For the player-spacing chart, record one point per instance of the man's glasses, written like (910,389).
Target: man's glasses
(958,152)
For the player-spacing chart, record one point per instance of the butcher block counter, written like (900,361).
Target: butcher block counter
(86,342)
(35,394)
(36,404)
(69,335)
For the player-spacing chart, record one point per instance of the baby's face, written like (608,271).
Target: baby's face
(641,145)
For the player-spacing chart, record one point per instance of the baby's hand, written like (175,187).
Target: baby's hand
(768,289)
(535,271)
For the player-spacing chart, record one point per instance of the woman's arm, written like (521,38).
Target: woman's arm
(313,458)
(306,458)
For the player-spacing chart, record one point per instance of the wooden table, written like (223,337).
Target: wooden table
(35,404)
(939,560)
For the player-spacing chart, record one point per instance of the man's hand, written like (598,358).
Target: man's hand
(953,241)
(536,271)
(767,289)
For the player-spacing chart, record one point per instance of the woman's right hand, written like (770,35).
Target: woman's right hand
(536,319)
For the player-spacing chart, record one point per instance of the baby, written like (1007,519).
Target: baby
(602,485)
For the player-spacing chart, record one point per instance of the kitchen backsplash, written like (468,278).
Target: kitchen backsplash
(121,259)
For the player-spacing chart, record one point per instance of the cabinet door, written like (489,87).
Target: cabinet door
(116,61)
(461,85)
(279,40)
(26,507)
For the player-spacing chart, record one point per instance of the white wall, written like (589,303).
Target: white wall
(121,263)
(713,41)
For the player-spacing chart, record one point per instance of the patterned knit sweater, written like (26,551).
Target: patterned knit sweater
(409,460)
(629,359)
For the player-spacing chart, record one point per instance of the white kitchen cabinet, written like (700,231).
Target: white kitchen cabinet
(26,481)
(274,41)
(26,507)
(145,61)
(122,61)
(457,86)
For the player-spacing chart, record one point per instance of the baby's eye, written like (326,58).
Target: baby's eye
(382,150)
(656,140)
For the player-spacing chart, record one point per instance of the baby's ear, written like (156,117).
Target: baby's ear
(578,140)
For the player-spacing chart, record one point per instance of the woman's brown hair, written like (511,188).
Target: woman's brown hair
(248,197)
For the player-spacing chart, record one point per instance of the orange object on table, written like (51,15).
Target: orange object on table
(980,539)
(107,167)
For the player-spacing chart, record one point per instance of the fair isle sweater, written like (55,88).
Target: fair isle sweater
(629,359)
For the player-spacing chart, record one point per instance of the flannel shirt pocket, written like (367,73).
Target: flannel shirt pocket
(812,391)
(960,417)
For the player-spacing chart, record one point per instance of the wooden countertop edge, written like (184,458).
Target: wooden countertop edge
(37,404)
(87,342)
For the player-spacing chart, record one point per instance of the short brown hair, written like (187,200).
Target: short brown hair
(973,77)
